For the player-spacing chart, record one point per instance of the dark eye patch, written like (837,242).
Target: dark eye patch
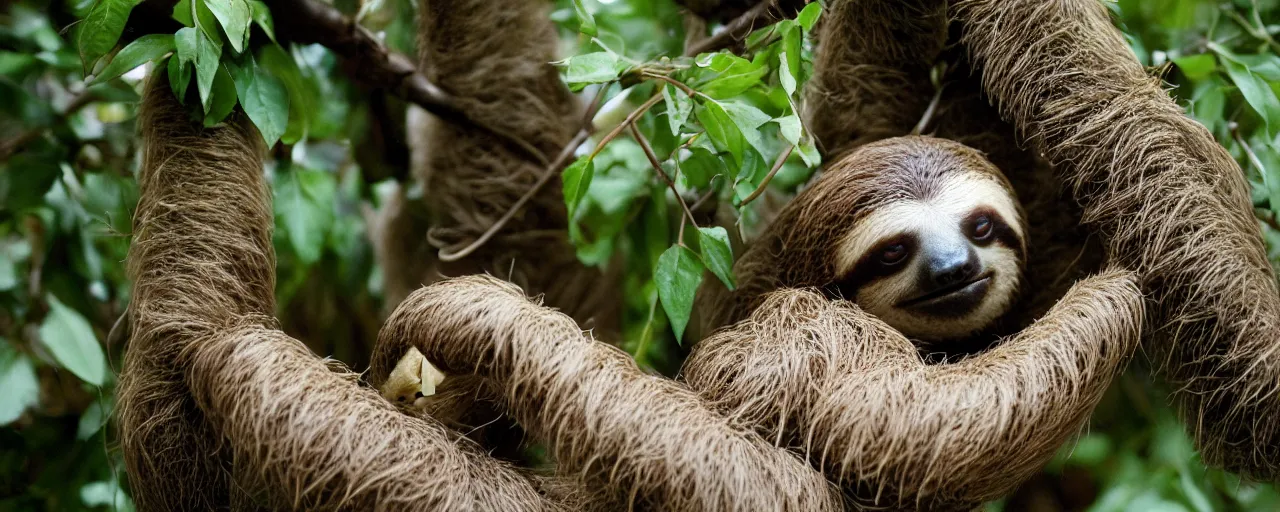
(887,257)
(998,230)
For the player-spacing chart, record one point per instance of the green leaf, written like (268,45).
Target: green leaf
(586,22)
(589,68)
(1194,493)
(13,64)
(141,51)
(106,494)
(194,46)
(18,380)
(809,15)
(98,32)
(205,20)
(750,175)
(701,167)
(26,178)
(717,254)
(264,99)
(8,272)
(1257,92)
(1208,103)
(749,119)
(785,76)
(790,128)
(281,65)
(182,13)
(92,420)
(678,275)
(789,59)
(736,75)
(1197,67)
(679,107)
(577,179)
(72,343)
(657,228)
(1265,65)
(262,16)
(808,150)
(179,77)
(304,205)
(223,99)
(234,17)
(723,132)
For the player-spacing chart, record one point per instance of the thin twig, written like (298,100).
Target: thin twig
(928,112)
(710,192)
(1253,157)
(733,31)
(657,167)
(547,174)
(688,91)
(764,184)
(631,118)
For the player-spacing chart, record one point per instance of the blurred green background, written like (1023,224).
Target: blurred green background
(69,154)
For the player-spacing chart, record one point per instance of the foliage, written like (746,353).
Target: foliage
(675,136)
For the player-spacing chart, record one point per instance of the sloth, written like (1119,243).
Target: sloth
(925,233)
(936,247)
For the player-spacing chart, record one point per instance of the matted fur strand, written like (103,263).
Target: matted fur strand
(828,380)
(1168,200)
(218,409)
(646,441)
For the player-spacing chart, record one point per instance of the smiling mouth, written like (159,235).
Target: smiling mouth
(959,294)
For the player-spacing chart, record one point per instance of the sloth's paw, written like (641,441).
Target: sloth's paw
(412,380)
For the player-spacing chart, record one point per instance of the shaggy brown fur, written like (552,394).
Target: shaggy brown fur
(1168,201)
(494,56)
(823,377)
(871,72)
(642,439)
(217,407)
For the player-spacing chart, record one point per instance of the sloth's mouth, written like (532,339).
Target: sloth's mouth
(956,299)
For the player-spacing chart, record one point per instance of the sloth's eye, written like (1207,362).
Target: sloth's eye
(893,254)
(982,228)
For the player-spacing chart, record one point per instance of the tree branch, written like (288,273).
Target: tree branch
(657,168)
(759,15)
(764,184)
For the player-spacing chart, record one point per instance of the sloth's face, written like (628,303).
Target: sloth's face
(937,265)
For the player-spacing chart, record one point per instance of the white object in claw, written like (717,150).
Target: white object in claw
(412,380)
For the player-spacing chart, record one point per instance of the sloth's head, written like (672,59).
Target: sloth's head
(936,245)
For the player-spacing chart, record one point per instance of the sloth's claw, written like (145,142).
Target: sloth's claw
(412,380)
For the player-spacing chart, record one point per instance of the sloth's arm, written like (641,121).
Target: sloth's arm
(828,379)
(871,69)
(642,437)
(1169,201)
(211,388)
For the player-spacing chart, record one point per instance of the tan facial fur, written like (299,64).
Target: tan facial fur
(937,219)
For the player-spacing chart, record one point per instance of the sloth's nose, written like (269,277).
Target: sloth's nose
(948,268)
